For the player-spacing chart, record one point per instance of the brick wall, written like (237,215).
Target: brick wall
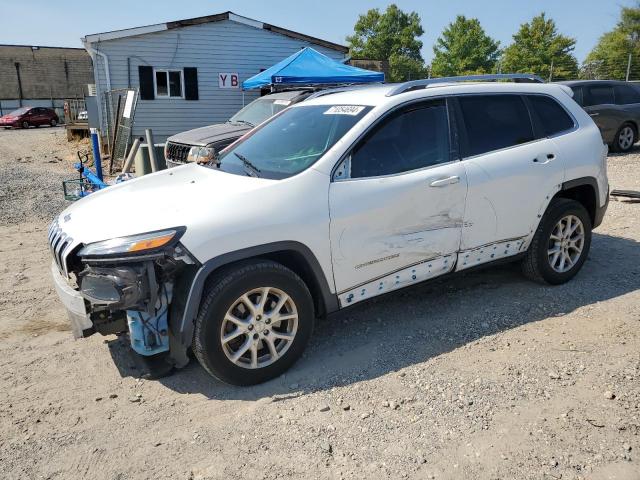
(45,72)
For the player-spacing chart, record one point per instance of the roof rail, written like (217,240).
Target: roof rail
(416,84)
(338,89)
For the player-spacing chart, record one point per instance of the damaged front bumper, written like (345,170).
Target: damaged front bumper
(136,295)
(74,303)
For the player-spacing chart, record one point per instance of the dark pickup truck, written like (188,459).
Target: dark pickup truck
(203,144)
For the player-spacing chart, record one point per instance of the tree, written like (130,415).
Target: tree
(539,48)
(464,48)
(393,36)
(610,57)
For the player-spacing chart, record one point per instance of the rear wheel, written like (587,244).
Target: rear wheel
(25,124)
(561,243)
(625,138)
(254,323)
(53,122)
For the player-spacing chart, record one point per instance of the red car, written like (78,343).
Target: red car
(29,116)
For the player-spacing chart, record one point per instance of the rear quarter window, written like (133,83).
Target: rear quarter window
(493,122)
(626,94)
(552,117)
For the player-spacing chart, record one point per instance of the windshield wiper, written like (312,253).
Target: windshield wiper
(244,122)
(248,164)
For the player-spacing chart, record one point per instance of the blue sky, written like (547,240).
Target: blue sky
(62,23)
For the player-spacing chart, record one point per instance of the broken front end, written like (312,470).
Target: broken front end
(124,285)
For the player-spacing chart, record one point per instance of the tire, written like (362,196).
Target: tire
(223,294)
(25,124)
(537,264)
(625,138)
(53,122)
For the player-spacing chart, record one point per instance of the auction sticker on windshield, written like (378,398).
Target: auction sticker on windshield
(344,110)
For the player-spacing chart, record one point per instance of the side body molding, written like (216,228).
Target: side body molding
(183,327)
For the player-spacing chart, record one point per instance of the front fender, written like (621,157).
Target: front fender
(182,326)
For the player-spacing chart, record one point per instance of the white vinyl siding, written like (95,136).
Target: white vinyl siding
(212,48)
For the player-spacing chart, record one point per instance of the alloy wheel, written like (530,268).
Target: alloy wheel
(625,138)
(259,327)
(566,243)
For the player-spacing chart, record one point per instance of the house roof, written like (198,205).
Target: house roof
(159,27)
(38,47)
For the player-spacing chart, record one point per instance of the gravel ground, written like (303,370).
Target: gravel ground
(33,165)
(485,375)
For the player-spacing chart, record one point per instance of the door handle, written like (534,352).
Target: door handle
(443,182)
(594,114)
(550,157)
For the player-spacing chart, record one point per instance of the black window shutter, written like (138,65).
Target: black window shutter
(190,83)
(146,82)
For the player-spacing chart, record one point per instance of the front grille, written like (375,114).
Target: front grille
(58,243)
(177,153)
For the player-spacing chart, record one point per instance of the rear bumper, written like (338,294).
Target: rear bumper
(73,303)
(600,211)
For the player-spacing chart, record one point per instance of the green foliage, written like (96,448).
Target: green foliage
(536,46)
(610,57)
(464,48)
(393,36)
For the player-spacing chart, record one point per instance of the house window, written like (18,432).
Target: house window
(169,84)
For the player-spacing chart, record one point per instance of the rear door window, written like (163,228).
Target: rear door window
(578,95)
(552,117)
(626,94)
(600,95)
(493,122)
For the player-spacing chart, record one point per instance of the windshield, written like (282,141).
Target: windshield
(259,110)
(291,142)
(20,111)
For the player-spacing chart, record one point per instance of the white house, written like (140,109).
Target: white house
(189,72)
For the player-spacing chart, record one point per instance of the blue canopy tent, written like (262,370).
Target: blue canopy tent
(310,67)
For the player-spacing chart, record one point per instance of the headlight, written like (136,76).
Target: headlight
(134,244)
(201,154)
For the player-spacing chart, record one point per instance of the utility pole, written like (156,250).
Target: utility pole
(628,67)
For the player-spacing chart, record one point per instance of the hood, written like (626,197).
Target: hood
(182,196)
(211,134)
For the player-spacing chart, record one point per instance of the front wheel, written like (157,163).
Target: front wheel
(254,322)
(561,243)
(53,122)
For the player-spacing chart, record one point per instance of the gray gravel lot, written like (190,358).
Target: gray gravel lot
(482,375)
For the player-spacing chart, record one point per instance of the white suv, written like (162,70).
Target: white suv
(339,199)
